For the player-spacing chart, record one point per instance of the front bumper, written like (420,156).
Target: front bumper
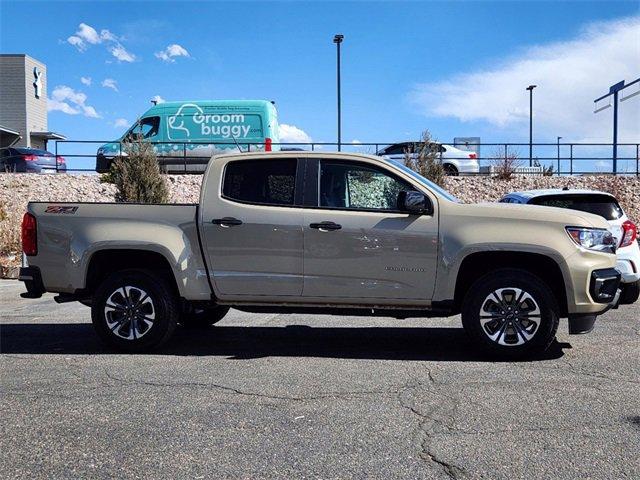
(604,288)
(33,281)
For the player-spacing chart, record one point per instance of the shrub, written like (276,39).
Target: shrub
(426,160)
(10,243)
(505,163)
(137,175)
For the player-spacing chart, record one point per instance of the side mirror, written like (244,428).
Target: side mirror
(415,203)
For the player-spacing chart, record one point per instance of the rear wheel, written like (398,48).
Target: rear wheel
(450,170)
(134,311)
(510,313)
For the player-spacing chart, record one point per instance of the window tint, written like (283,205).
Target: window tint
(149,126)
(602,205)
(33,151)
(358,186)
(268,182)
(397,149)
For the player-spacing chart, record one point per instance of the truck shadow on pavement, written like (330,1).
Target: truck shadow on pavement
(249,342)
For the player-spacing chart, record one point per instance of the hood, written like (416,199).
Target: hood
(535,213)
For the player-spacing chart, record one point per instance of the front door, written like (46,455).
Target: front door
(252,228)
(358,245)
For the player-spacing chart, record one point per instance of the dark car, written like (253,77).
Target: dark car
(30,160)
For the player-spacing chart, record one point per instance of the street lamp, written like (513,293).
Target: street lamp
(530,88)
(559,138)
(337,39)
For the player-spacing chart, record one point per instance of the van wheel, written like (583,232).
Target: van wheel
(134,311)
(450,170)
(510,313)
(203,317)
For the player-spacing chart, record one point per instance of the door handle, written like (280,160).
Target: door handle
(226,221)
(325,226)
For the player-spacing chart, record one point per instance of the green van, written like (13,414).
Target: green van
(186,134)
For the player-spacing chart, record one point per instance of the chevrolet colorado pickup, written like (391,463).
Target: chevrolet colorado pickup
(329,233)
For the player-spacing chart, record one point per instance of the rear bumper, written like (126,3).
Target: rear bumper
(33,281)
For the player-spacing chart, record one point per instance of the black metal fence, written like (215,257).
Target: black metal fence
(547,158)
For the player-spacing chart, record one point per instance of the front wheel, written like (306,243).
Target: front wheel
(450,170)
(510,313)
(134,311)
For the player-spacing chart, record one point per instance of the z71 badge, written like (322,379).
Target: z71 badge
(61,209)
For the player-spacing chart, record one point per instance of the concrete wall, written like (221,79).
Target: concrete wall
(36,107)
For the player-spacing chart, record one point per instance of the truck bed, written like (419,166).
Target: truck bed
(76,232)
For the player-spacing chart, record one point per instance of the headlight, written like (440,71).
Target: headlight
(598,239)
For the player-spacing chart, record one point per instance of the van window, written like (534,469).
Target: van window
(358,186)
(265,182)
(147,127)
(602,205)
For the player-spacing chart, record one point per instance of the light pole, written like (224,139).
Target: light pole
(615,90)
(337,39)
(559,138)
(530,88)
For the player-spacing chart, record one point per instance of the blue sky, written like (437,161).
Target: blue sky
(456,68)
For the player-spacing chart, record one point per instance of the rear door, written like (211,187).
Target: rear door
(358,246)
(252,227)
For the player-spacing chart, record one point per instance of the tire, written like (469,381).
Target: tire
(109,311)
(203,317)
(501,328)
(450,170)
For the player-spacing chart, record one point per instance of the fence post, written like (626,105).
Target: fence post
(637,159)
(313,147)
(571,159)
(184,156)
(56,156)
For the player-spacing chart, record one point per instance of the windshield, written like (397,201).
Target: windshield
(602,205)
(427,183)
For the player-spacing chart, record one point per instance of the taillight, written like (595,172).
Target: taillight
(267,144)
(60,160)
(29,235)
(30,158)
(473,155)
(630,233)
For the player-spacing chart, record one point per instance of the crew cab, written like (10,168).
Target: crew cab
(326,233)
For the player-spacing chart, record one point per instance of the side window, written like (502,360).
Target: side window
(358,186)
(506,200)
(149,127)
(397,149)
(265,182)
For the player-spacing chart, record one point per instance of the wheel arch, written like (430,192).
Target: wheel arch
(478,264)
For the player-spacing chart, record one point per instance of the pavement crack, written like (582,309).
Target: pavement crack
(346,395)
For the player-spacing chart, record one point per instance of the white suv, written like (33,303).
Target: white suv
(607,206)
(454,160)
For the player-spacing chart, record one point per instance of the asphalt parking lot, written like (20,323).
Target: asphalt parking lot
(293,396)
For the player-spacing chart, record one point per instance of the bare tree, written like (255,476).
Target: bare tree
(424,158)
(505,163)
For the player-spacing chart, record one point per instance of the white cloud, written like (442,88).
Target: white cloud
(569,75)
(293,134)
(87,35)
(172,51)
(110,83)
(121,123)
(67,100)
(355,141)
(85,81)
(157,99)
(122,54)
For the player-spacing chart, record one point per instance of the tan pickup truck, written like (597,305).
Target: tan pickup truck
(326,233)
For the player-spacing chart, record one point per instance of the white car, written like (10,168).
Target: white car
(607,206)
(454,160)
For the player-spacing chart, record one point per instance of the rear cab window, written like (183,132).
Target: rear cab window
(602,205)
(261,182)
